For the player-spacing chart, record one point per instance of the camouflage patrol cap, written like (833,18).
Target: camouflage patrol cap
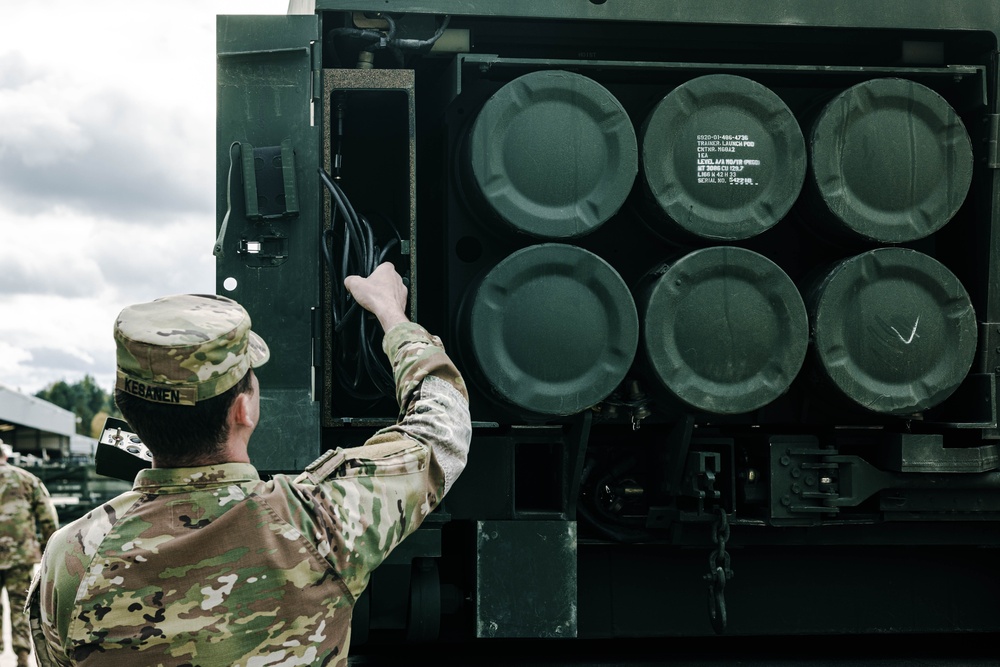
(185,348)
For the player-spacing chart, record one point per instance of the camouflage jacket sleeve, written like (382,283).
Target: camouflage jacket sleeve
(415,354)
(46,519)
(433,400)
(377,494)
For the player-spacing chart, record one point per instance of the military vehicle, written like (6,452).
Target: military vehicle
(723,279)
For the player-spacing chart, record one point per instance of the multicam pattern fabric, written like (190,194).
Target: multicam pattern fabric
(185,348)
(27,521)
(415,354)
(27,517)
(212,566)
(16,581)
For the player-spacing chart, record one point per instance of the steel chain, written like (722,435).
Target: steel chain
(719,572)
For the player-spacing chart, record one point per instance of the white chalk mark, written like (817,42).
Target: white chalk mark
(913,334)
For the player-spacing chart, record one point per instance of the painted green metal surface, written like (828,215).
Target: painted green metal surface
(554,154)
(926,14)
(724,330)
(891,161)
(893,329)
(723,157)
(541,600)
(554,329)
(264,95)
(571,520)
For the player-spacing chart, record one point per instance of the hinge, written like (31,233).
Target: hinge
(993,142)
(317,69)
(316,322)
(989,346)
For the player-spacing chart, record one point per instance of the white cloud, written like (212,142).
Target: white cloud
(101,152)
(53,338)
(12,359)
(107,173)
(51,255)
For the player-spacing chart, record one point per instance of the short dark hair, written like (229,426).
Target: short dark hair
(182,435)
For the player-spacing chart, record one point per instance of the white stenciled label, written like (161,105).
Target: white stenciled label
(727,159)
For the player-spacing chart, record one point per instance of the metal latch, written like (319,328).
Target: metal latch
(264,250)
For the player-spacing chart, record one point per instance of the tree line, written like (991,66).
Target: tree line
(91,404)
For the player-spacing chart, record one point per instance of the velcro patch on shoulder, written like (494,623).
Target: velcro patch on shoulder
(326,465)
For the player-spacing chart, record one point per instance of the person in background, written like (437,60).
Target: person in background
(27,521)
(203,563)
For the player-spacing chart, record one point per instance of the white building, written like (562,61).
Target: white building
(33,426)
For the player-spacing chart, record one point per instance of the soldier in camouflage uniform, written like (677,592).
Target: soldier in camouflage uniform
(27,521)
(202,563)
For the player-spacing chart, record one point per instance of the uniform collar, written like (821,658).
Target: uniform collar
(178,480)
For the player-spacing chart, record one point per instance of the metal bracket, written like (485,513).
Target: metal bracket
(264,250)
(576,446)
(269,189)
(699,478)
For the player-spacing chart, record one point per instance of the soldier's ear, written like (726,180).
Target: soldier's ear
(240,412)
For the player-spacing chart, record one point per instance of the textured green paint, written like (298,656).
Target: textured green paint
(264,88)
(919,14)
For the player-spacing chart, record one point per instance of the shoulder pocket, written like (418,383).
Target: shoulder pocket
(398,457)
(325,465)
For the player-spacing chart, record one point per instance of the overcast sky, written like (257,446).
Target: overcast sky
(107,173)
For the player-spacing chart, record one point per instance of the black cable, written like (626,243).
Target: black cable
(218,250)
(418,44)
(383,40)
(359,359)
(378,40)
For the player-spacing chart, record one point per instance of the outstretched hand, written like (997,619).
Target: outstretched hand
(382,293)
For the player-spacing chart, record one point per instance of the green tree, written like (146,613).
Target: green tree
(84,398)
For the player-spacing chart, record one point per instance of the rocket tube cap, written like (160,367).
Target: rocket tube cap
(554,154)
(723,157)
(891,160)
(554,329)
(725,330)
(894,330)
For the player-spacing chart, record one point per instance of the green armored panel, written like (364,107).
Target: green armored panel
(526,579)
(893,329)
(554,154)
(891,160)
(724,330)
(268,217)
(723,158)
